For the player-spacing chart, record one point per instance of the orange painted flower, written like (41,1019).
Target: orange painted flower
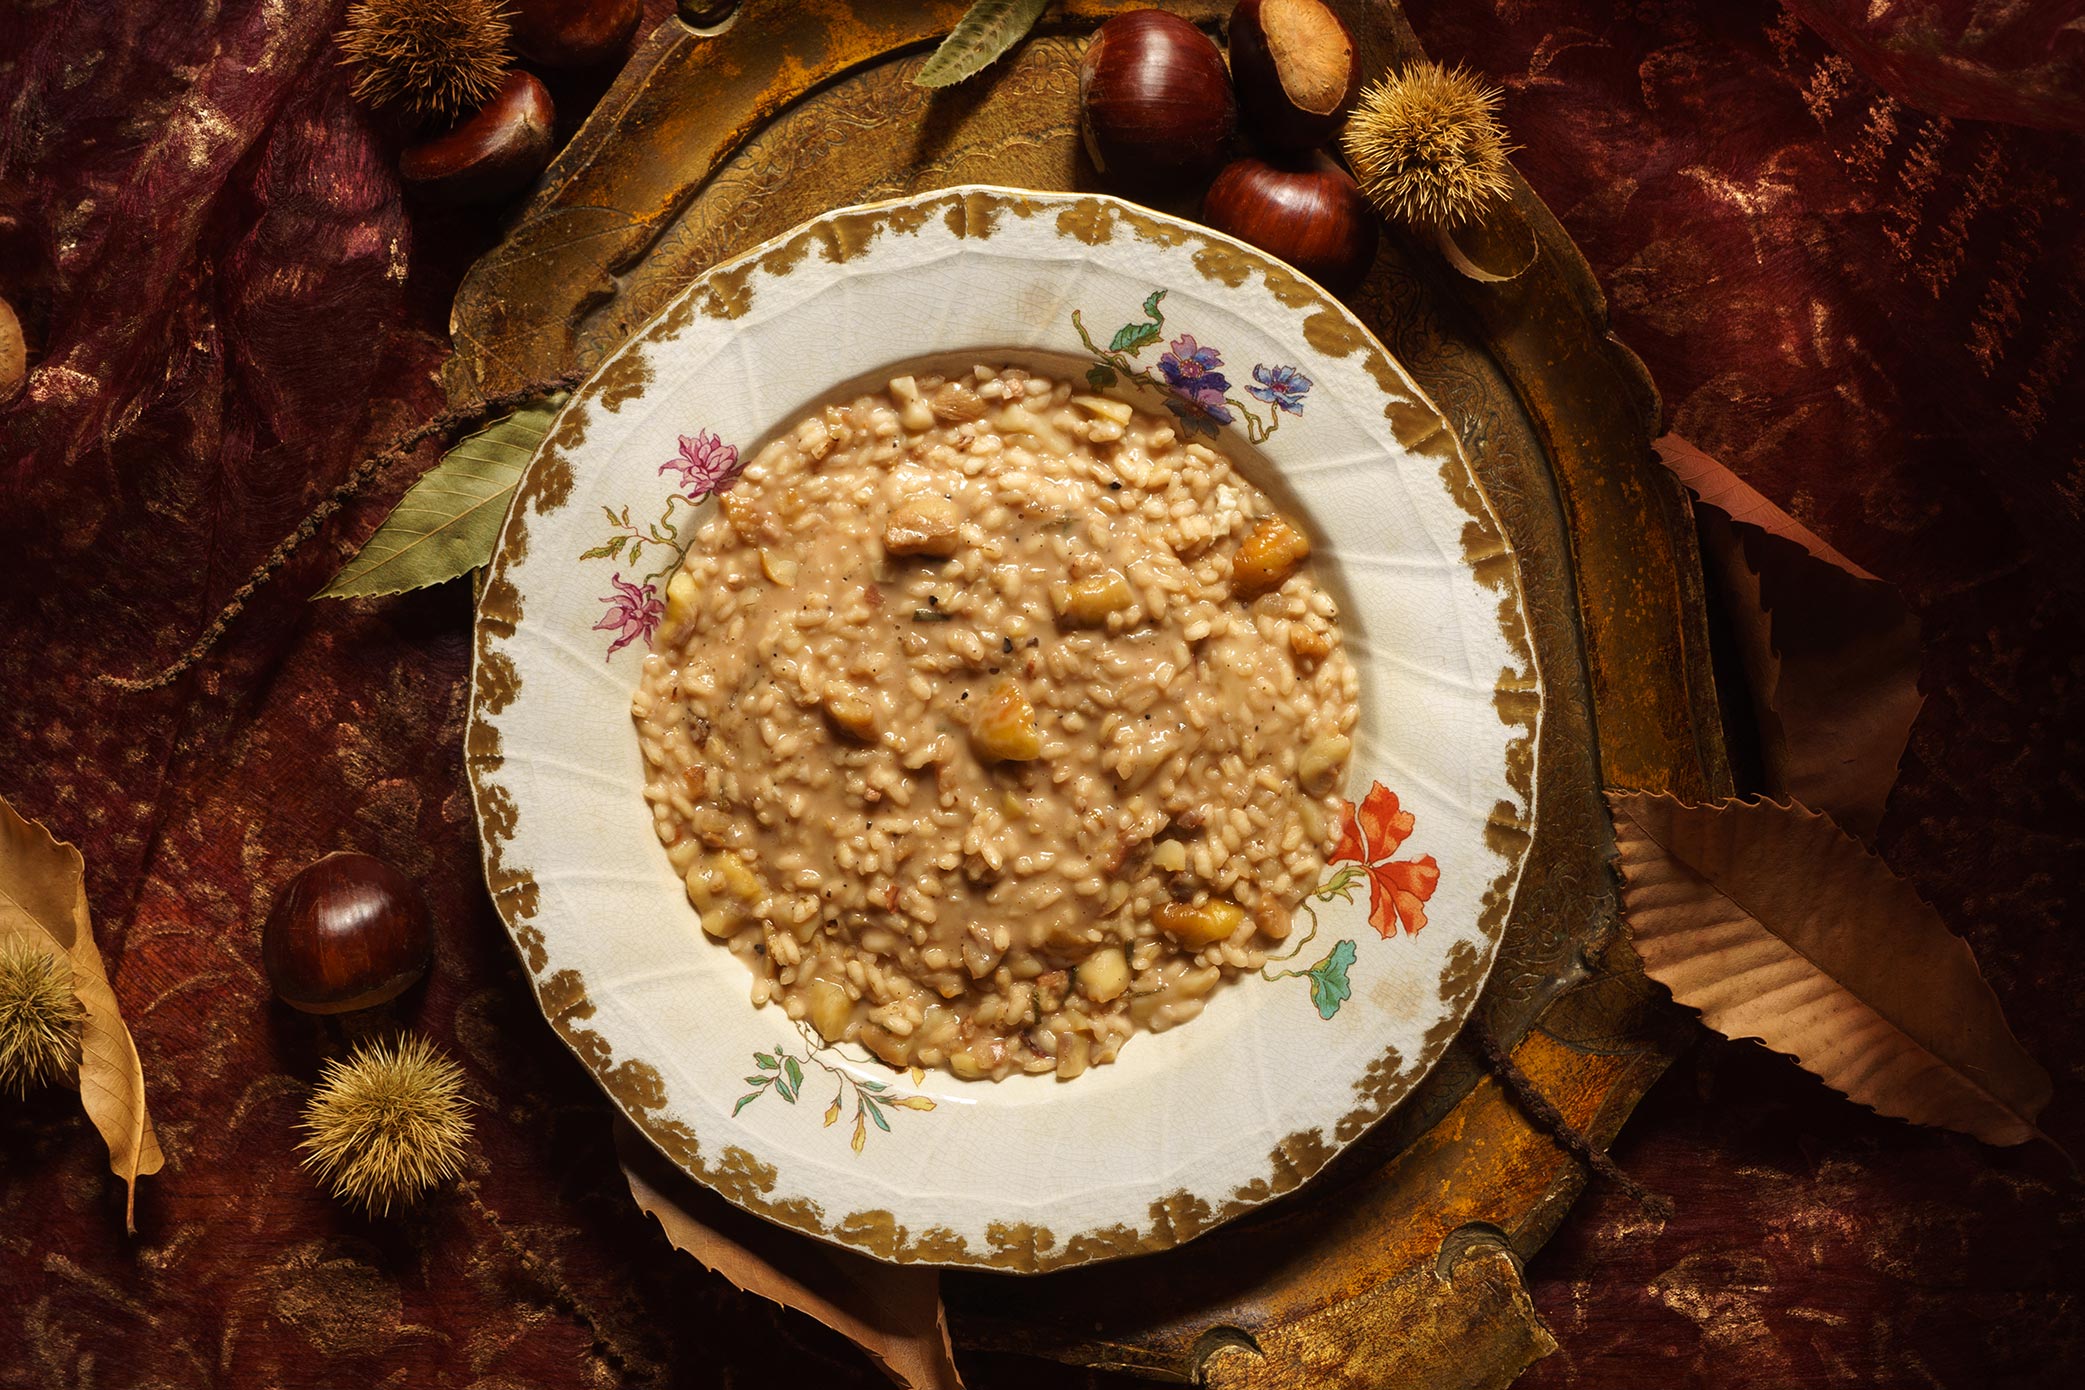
(1368,835)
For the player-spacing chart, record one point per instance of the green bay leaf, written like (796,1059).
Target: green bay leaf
(447,522)
(986,30)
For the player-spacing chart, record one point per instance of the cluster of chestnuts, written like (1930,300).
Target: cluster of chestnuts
(1160,111)
(450,59)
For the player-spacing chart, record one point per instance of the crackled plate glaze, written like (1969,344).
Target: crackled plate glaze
(1189,1127)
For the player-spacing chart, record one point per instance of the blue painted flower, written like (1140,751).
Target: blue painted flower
(1283,387)
(1195,373)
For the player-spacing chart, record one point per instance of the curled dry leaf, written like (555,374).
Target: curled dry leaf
(43,900)
(1777,925)
(1831,663)
(1725,490)
(894,1313)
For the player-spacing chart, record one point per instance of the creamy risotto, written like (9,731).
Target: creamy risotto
(990,722)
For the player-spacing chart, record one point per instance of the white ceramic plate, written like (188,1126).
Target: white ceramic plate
(1188,1127)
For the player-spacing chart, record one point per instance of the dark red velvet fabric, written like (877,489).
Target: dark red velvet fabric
(2022,62)
(1872,314)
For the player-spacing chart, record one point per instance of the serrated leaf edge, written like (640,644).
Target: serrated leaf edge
(981,37)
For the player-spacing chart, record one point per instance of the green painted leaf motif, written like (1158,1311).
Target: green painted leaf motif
(1100,377)
(763,1061)
(986,30)
(607,550)
(872,1085)
(744,1101)
(876,1114)
(1328,980)
(796,1073)
(447,523)
(1133,337)
(756,1080)
(786,1091)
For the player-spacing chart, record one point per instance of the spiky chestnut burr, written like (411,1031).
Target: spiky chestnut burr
(1426,146)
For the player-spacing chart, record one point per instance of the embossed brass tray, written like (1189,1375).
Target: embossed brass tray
(1400,1263)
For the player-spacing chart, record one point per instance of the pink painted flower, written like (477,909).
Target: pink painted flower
(633,612)
(706,464)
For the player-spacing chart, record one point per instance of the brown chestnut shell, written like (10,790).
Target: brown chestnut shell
(1155,103)
(572,33)
(491,155)
(1295,70)
(348,932)
(1303,209)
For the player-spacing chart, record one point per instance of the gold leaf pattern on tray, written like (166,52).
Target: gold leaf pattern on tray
(43,900)
(1777,925)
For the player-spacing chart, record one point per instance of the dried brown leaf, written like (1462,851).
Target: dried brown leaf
(1777,925)
(1832,662)
(892,1312)
(1721,488)
(43,900)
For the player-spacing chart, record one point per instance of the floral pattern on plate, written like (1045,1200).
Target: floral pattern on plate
(1192,376)
(707,466)
(1369,833)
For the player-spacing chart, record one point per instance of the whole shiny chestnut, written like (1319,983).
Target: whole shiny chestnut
(349,932)
(493,154)
(572,33)
(1293,64)
(1155,102)
(1304,209)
